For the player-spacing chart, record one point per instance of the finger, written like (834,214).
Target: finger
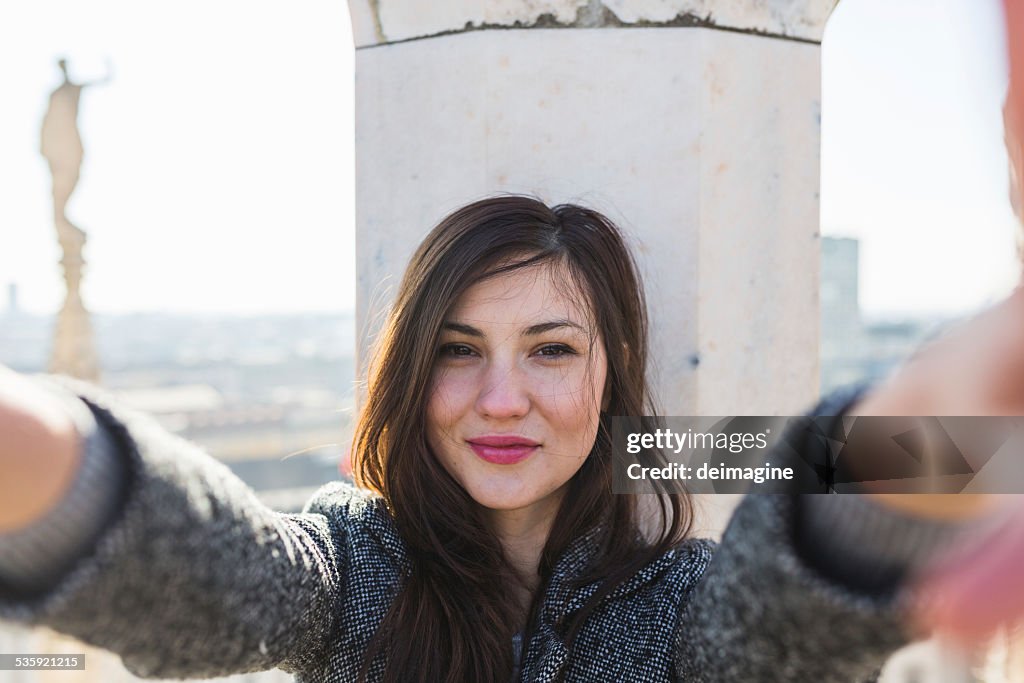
(972,596)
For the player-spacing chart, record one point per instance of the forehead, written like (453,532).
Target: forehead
(524,296)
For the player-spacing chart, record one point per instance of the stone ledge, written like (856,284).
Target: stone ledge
(380,22)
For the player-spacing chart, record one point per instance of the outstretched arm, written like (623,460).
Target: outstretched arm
(805,588)
(820,587)
(190,575)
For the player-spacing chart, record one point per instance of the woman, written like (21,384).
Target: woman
(486,544)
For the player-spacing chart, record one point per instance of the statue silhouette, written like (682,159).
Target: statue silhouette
(74,352)
(61,145)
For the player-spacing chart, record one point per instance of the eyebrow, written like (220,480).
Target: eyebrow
(531,331)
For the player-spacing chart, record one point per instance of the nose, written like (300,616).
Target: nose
(504,393)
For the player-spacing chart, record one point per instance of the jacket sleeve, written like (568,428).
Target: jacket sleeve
(193,576)
(762,613)
(805,588)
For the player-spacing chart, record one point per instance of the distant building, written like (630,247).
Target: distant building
(854,349)
(840,302)
(841,325)
(12,298)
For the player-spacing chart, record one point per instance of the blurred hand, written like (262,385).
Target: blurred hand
(975,369)
(39,451)
(977,590)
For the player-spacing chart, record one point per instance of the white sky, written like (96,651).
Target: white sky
(219,170)
(219,163)
(913,161)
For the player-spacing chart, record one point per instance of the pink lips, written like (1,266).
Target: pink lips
(502,450)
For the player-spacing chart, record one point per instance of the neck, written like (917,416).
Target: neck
(523,533)
(523,537)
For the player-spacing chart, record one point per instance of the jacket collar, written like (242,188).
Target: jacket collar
(564,597)
(547,653)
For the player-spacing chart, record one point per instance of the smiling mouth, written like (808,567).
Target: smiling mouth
(501,451)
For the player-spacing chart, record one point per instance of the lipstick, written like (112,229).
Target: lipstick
(501,449)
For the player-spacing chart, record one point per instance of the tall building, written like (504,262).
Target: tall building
(12,298)
(854,349)
(840,303)
(842,332)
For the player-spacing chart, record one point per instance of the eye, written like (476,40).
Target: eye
(555,351)
(455,351)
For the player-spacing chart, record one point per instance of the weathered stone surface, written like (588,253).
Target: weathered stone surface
(405,19)
(803,19)
(365,25)
(376,22)
(703,144)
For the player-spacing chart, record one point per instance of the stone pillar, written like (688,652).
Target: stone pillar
(694,124)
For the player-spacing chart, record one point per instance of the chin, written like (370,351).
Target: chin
(500,502)
(498,498)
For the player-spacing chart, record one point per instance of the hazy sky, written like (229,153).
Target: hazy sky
(219,163)
(913,161)
(219,170)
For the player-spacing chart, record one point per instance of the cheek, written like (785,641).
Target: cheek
(573,404)
(451,394)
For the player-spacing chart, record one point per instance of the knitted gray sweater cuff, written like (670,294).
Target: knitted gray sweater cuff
(34,558)
(853,539)
(867,546)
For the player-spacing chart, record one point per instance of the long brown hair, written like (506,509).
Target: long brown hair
(451,618)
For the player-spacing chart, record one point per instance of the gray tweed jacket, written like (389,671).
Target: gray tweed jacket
(194,577)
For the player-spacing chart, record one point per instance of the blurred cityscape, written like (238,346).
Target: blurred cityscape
(854,348)
(271,396)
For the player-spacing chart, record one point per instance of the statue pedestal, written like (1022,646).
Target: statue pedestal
(74,351)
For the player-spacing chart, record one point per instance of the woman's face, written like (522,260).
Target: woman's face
(516,389)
